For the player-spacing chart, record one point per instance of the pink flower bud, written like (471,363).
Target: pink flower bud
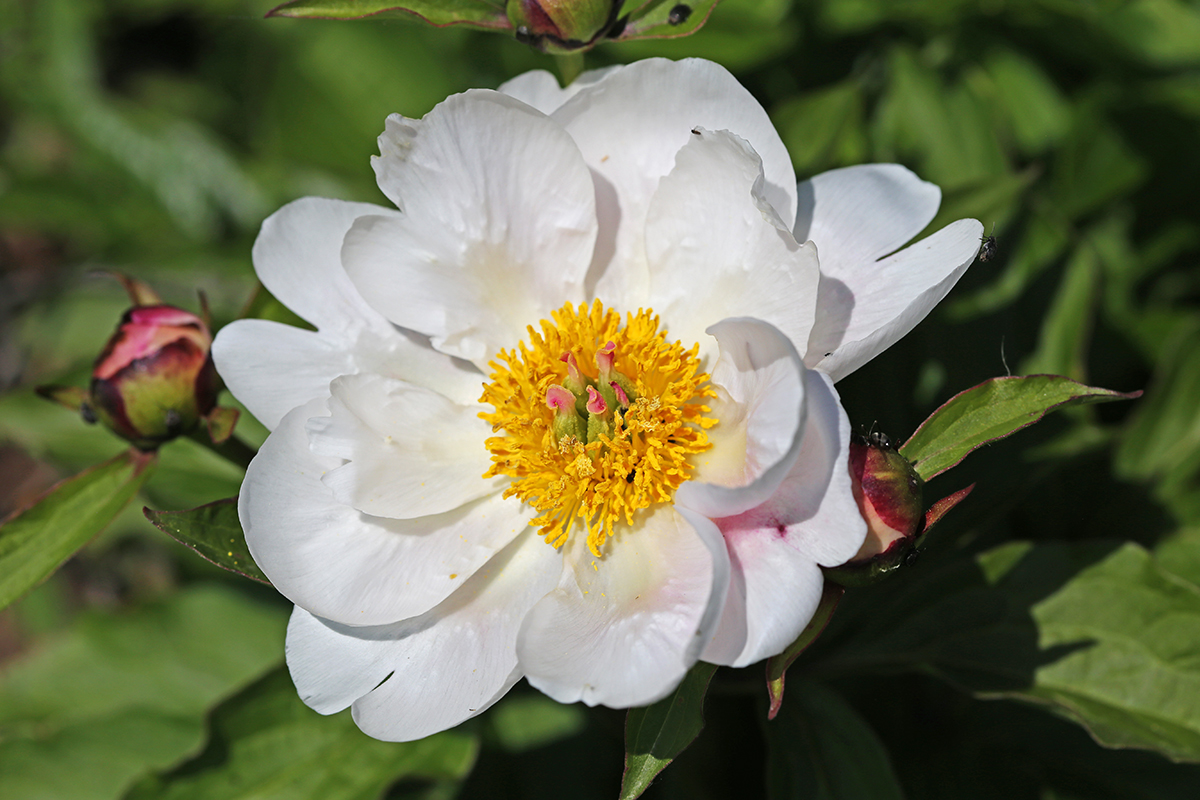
(560,26)
(155,378)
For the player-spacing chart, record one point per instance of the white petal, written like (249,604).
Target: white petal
(497,231)
(861,317)
(775,549)
(343,565)
(761,420)
(410,451)
(418,677)
(867,302)
(630,125)
(297,256)
(273,368)
(540,88)
(622,630)
(717,249)
(859,214)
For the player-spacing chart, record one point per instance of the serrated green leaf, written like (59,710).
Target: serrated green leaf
(991,411)
(35,541)
(118,693)
(656,734)
(487,14)
(666,19)
(264,742)
(215,532)
(821,749)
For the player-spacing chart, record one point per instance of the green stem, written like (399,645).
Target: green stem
(232,449)
(570,65)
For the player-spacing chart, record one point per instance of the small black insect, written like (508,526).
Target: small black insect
(879,439)
(632,474)
(696,131)
(911,557)
(88,413)
(987,251)
(679,14)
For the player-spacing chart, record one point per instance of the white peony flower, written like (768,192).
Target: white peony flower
(568,413)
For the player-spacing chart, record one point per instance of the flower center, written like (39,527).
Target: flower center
(598,420)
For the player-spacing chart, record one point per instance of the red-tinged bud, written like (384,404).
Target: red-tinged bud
(561,26)
(889,495)
(155,378)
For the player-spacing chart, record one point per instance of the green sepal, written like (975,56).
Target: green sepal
(71,397)
(220,423)
(777,665)
(486,14)
(36,540)
(215,532)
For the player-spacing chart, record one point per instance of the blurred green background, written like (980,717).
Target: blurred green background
(151,137)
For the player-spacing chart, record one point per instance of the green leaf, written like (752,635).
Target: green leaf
(824,129)
(264,742)
(660,19)
(1097,631)
(215,532)
(821,749)
(993,410)
(1130,673)
(35,541)
(117,693)
(656,734)
(1067,325)
(487,14)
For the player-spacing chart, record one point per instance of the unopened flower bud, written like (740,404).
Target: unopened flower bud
(560,26)
(155,378)
(888,492)
(889,495)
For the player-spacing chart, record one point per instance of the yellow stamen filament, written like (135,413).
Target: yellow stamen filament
(636,460)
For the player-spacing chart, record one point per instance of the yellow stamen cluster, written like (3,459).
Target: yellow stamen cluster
(640,460)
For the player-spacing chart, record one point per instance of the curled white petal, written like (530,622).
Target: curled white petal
(717,249)
(629,125)
(868,300)
(408,451)
(497,229)
(776,548)
(272,368)
(761,414)
(414,678)
(346,566)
